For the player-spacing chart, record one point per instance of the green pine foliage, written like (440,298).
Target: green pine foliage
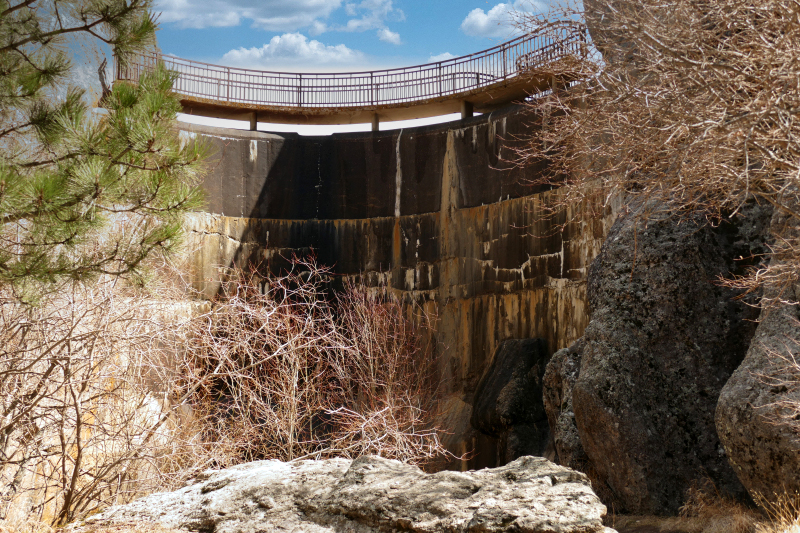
(85,193)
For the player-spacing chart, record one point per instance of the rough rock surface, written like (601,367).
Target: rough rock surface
(560,376)
(372,494)
(757,416)
(663,340)
(508,400)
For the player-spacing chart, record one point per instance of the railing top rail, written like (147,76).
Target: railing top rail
(564,29)
(443,80)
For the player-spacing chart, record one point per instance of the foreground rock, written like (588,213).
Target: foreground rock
(663,340)
(372,494)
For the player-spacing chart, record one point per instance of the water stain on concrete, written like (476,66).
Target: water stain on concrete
(432,215)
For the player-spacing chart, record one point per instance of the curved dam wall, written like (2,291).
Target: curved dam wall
(433,214)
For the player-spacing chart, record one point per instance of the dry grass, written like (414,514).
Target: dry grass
(707,511)
(133,527)
(26,526)
(713,512)
(783,512)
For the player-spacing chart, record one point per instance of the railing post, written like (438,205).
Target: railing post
(505,63)
(228,92)
(467,110)
(372,91)
(299,90)
(439,75)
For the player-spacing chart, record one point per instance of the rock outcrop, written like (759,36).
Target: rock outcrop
(757,416)
(663,340)
(372,494)
(560,377)
(508,400)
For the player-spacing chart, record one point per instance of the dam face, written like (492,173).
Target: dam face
(435,215)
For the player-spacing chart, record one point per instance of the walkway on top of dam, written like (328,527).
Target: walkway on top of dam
(482,82)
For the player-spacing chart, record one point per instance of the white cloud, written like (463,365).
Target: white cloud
(441,57)
(284,15)
(318,28)
(387,35)
(371,15)
(499,22)
(294,52)
(273,15)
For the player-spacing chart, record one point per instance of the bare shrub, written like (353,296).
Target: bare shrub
(108,392)
(388,381)
(80,424)
(691,105)
(290,371)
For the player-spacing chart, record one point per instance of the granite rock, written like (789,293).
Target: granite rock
(757,413)
(372,494)
(560,377)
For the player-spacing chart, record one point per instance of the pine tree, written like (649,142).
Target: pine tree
(84,193)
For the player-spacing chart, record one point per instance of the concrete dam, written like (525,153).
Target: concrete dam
(436,215)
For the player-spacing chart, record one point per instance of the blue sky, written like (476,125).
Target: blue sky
(332,35)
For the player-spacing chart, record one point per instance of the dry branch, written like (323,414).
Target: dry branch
(691,105)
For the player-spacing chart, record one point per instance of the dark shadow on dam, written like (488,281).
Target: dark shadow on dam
(316,181)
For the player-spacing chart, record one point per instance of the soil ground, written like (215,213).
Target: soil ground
(652,524)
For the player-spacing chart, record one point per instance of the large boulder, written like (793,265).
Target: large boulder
(663,340)
(560,377)
(372,494)
(757,415)
(508,400)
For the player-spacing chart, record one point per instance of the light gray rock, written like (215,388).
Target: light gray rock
(373,494)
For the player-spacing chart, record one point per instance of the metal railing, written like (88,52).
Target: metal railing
(501,63)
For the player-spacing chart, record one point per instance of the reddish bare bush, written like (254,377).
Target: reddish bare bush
(109,392)
(290,371)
